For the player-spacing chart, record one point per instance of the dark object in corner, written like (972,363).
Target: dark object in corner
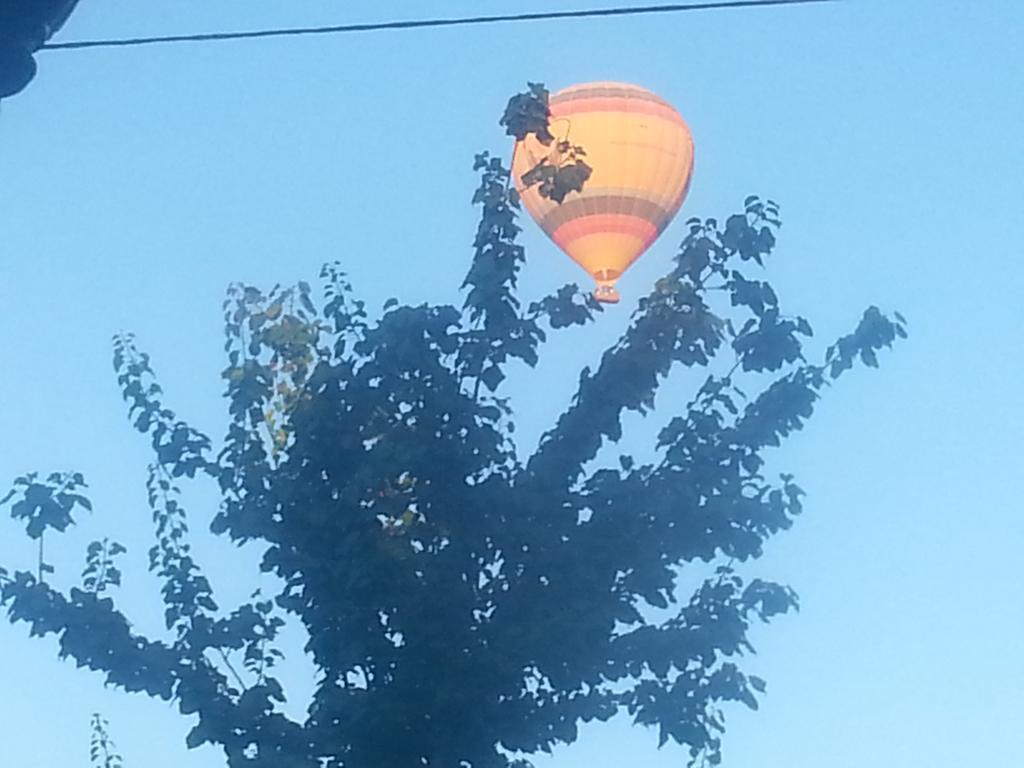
(24,26)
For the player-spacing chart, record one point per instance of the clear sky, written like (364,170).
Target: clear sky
(136,184)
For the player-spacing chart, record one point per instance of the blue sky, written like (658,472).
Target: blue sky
(136,184)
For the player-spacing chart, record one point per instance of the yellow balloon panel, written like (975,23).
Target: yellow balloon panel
(641,153)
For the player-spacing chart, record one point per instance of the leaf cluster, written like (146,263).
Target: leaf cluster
(102,749)
(563,170)
(50,503)
(101,571)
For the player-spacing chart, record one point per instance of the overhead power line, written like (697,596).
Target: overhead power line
(425,23)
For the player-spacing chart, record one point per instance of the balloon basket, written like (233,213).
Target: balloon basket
(607,294)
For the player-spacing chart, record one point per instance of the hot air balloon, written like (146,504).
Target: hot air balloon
(641,153)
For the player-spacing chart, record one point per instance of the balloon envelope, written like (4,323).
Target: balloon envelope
(641,153)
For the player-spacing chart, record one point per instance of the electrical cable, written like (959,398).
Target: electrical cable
(425,23)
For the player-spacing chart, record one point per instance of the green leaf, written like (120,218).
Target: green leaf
(492,377)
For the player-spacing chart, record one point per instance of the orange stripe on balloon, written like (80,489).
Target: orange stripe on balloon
(606,223)
(677,202)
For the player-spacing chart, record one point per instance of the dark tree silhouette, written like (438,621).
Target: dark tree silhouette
(464,603)
(24,26)
(102,749)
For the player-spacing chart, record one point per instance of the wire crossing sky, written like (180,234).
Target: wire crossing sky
(426,23)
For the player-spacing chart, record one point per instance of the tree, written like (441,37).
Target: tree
(463,604)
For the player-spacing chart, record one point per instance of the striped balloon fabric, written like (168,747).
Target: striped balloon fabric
(641,153)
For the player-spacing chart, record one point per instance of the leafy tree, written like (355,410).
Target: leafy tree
(463,603)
